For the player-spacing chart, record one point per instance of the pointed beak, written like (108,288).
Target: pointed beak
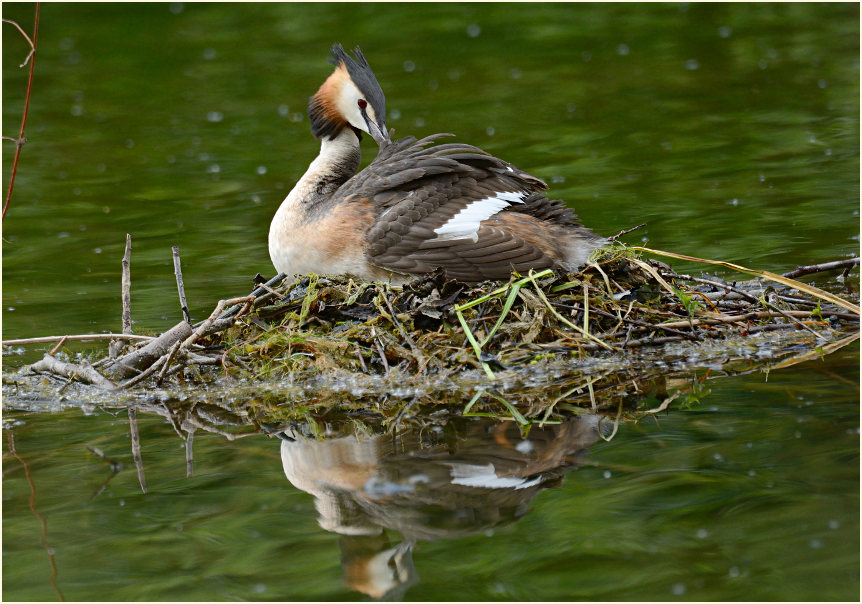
(377,133)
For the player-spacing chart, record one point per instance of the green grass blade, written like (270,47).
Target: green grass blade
(476,348)
(506,308)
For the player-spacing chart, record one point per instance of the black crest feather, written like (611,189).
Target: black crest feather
(364,78)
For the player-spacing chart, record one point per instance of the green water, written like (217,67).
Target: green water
(732,130)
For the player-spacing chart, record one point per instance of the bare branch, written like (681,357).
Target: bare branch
(84,371)
(87,336)
(32,58)
(178,273)
(799,271)
(127,287)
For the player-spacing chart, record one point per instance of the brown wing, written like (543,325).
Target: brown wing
(457,207)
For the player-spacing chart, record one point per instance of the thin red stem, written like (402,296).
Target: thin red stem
(20,142)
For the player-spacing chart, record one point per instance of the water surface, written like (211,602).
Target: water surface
(731,129)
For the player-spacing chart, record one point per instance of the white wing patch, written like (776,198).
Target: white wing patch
(465,224)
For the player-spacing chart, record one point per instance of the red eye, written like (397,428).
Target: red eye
(362,104)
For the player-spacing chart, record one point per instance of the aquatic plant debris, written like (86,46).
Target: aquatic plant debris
(529,347)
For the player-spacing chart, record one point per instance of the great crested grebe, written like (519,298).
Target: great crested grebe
(418,206)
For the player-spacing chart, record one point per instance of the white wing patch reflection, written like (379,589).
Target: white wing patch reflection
(485,477)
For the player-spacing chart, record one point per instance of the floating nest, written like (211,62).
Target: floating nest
(546,343)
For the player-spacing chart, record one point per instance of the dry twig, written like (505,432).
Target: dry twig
(178,273)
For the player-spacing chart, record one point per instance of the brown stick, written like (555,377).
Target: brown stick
(127,286)
(129,365)
(167,363)
(417,353)
(88,336)
(20,142)
(626,232)
(752,298)
(84,371)
(203,327)
(799,271)
(749,316)
(57,347)
(147,372)
(178,273)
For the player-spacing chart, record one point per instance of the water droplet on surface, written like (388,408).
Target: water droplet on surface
(606,474)
(215,116)
(209,54)
(622,50)
(473,30)
(394,114)
(815,544)
(62,235)
(419,122)
(834,524)
(677,589)
(724,31)
(490,130)
(515,73)
(702,533)
(409,66)
(261,170)
(692,64)
(176,7)
(733,572)
(525,446)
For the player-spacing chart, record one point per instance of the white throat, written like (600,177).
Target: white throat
(338,160)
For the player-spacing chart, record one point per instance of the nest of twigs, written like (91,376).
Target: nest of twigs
(620,322)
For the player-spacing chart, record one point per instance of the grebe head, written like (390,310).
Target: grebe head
(350,97)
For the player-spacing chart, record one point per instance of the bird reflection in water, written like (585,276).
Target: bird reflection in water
(441,482)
